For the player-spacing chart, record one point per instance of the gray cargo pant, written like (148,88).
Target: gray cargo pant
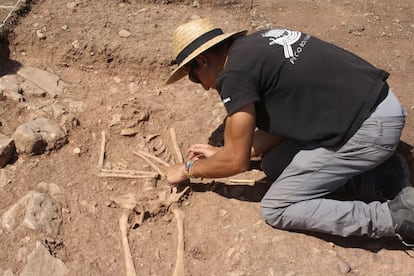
(305,176)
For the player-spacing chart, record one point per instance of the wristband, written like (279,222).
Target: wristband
(187,170)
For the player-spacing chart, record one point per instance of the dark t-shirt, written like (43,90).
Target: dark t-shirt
(303,88)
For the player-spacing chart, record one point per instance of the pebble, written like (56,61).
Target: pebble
(344,267)
(71,5)
(77,151)
(40,35)
(124,33)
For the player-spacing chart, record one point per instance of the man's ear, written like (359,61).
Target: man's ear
(202,60)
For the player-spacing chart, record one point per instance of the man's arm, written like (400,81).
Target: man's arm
(234,156)
(263,142)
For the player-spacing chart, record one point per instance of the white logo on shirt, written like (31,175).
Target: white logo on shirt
(284,38)
(226,100)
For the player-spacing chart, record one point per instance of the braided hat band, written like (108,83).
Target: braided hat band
(192,39)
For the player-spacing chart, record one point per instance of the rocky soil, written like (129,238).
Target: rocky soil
(86,120)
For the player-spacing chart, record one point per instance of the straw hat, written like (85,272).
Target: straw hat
(192,39)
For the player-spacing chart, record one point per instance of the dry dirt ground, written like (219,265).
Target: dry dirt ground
(120,80)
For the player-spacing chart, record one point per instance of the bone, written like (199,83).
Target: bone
(102,152)
(249,181)
(152,164)
(179,263)
(175,197)
(246,181)
(132,172)
(127,202)
(176,147)
(153,157)
(127,175)
(123,225)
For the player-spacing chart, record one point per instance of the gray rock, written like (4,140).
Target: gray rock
(14,96)
(31,89)
(7,149)
(40,262)
(37,211)
(39,135)
(42,214)
(47,81)
(9,82)
(75,106)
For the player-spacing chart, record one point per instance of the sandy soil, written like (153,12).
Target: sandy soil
(112,75)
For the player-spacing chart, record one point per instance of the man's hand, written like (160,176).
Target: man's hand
(174,174)
(200,151)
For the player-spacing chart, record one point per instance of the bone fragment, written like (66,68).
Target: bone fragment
(179,263)
(247,181)
(175,197)
(125,175)
(102,152)
(152,164)
(153,157)
(131,172)
(123,224)
(176,147)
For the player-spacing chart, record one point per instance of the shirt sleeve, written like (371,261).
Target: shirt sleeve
(237,89)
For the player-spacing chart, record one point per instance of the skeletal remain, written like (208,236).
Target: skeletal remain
(247,181)
(128,173)
(179,263)
(147,158)
(158,146)
(176,147)
(102,152)
(155,158)
(119,174)
(128,202)
(175,197)
(123,224)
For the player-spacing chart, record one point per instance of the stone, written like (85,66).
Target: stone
(47,81)
(124,33)
(7,149)
(40,262)
(14,96)
(40,35)
(75,106)
(31,89)
(39,135)
(37,211)
(344,267)
(9,82)
(42,214)
(71,5)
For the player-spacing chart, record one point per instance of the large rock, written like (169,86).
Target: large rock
(39,135)
(6,149)
(40,262)
(37,211)
(45,80)
(9,82)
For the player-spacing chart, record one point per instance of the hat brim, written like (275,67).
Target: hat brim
(180,72)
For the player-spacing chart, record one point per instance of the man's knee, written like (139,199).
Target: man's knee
(271,214)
